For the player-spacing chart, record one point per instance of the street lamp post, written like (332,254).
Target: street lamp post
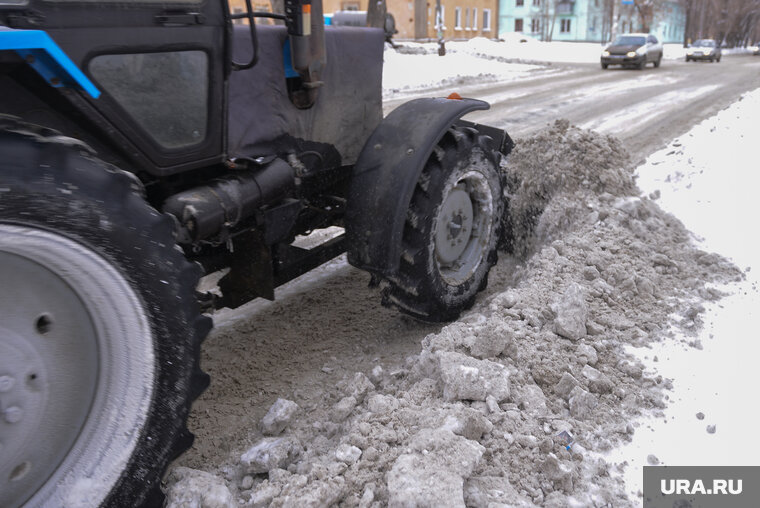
(439,28)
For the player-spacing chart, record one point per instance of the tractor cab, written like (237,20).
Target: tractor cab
(184,85)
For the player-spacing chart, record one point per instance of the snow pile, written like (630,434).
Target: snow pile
(584,160)
(513,49)
(515,402)
(405,72)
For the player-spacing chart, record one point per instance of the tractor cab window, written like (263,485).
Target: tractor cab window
(166,94)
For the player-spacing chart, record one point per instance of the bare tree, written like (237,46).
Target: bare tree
(608,19)
(731,22)
(548,18)
(646,10)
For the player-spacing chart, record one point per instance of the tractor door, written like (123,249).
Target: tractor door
(160,66)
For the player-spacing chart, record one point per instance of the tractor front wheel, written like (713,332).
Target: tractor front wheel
(100,330)
(452,229)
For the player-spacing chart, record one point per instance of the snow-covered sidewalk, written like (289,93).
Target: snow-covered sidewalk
(709,179)
(406,73)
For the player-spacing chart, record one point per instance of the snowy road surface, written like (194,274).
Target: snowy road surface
(646,109)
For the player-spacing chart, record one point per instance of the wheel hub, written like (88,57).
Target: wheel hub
(48,372)
(22,397)
(71,387)
(455,225)
(463,227)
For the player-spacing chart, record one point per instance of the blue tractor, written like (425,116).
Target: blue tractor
(146,144)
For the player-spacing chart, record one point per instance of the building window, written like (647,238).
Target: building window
(518,25)
(519,3)
(564,26)
(467,18)
(474,18)
(486,20)
(457,18)
(564,7)
(535,25)
(537,3)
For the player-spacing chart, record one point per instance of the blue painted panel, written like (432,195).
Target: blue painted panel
(47,58)
(290,72)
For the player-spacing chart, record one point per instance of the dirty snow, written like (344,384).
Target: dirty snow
(603,279)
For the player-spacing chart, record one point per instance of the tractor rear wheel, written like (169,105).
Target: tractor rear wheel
(100,330)
(453,228)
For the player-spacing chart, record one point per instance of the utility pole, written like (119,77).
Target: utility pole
(439,28)
(376,11)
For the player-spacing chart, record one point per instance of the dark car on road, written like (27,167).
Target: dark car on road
(633,50)
(703,49)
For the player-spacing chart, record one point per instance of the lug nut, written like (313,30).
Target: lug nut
(6,383)
(13,414)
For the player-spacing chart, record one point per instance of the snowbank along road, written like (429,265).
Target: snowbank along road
(377,416)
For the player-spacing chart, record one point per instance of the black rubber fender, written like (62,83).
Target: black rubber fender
(386,172)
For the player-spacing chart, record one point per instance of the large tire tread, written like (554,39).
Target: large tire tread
(409,290)
(166,282)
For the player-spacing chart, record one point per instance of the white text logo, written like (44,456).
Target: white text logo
(668,487)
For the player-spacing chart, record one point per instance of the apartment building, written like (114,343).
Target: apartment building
(586,20)
(417,19)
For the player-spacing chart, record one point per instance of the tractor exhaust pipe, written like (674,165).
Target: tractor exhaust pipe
(205,212)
